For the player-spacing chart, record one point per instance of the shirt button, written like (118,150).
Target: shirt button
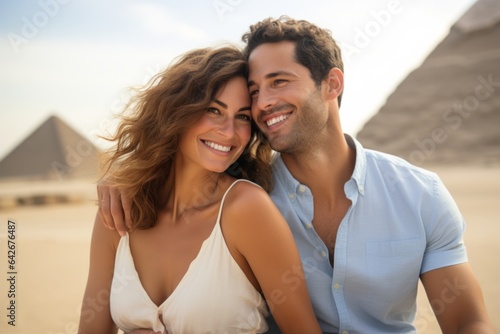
(345,332)
(292,195)
(309,226)
(302,189)
(336,286)
(323,254)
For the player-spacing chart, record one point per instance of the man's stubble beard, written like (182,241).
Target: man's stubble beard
(305,133)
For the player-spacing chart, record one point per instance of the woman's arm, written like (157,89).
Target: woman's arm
(258,231)
(95,316)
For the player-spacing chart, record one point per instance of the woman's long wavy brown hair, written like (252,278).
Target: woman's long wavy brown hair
(154,120)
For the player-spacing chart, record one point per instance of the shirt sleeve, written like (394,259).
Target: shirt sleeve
(445,227)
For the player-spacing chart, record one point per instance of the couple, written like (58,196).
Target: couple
(204,250)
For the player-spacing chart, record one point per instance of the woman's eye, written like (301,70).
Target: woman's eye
(213,110)
(244,117)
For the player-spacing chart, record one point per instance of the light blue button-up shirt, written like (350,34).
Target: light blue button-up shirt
(401,224)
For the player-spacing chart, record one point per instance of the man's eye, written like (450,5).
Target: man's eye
(254,92)
(279,81)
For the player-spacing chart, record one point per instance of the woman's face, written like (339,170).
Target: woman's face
(223,132)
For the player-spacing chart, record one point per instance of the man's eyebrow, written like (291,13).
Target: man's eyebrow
(272,75)
(223,105)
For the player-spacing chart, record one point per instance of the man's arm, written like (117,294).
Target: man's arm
(114,208)
(457,300)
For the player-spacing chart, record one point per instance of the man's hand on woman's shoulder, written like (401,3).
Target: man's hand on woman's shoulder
(114,208)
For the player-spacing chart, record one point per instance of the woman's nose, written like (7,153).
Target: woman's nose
(226,128)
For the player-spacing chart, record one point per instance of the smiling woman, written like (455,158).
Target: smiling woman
(206,249)
(222,133)
(162,113)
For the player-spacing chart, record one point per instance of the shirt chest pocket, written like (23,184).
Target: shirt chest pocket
(393,268)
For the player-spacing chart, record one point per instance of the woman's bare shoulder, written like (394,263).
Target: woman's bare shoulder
(246,195)
(248,205)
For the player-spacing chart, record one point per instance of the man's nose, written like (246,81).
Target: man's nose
(265,99)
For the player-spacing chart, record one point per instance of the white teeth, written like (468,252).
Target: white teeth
(278,119)
(217,146)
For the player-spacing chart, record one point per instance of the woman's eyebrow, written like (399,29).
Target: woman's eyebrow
(223,105)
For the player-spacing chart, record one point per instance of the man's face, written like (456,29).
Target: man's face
(286,104)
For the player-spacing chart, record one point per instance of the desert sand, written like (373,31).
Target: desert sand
(52,247)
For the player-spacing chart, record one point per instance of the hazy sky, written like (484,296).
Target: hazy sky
(75,58)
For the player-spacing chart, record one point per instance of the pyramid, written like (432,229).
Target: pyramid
(447,111)
(53,151)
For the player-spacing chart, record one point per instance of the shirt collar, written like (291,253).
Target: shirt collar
(283,175)
(359,173)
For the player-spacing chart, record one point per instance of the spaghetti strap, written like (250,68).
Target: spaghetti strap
(227,191)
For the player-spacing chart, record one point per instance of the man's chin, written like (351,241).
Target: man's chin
(278,144)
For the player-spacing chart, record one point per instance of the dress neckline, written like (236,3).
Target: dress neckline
(191,264)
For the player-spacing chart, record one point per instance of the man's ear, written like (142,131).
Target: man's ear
(334,83)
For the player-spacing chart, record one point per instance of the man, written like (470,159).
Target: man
(368,225)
